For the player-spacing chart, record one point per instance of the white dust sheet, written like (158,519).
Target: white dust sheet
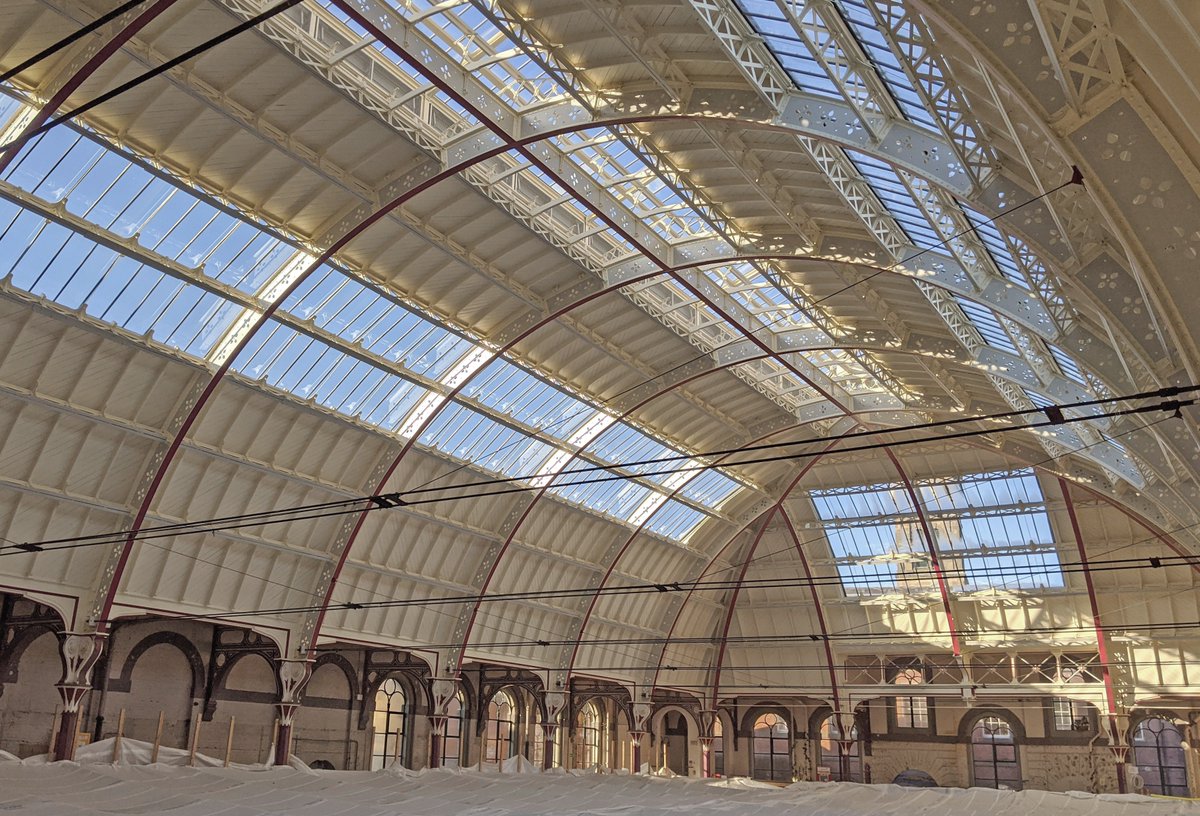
(96,787)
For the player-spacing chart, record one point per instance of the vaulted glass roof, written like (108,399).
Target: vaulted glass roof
(145,252)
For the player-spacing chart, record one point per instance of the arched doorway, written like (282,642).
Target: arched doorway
(591,740)
(390,721)
(994,760)
(676,737)
(772,748)
(500,730)
(1158,754)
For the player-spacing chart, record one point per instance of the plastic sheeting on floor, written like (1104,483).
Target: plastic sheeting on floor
(71,789)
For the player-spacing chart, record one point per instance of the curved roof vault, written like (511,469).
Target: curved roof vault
(375,247)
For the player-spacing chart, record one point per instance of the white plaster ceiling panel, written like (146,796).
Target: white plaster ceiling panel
(1151,195)
(52,357)
(289,437)
(28,514)
(1009,31)
(200,485)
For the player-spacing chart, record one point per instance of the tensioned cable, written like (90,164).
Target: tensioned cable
(1171,406)
(1076,179)
(194,51)
(387,501)
(817,637)
(966,573)
(73,37)
(703,666)
(1152,562)
(1054,417)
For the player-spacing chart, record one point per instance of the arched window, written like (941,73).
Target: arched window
(501,727)
(772,749)
(844,766)
(452,745)
(1158,755)
(911,712)
(994,761)
(389,719)
(591,730)
(717,752)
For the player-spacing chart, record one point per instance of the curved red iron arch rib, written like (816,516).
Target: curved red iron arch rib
(1110,692)
(819,609)
(339,244)
(935,560)
(718,663)
(56,101)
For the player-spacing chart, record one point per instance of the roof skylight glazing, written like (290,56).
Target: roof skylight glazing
(763,299)
(988,325)
(990,529)
(787,46)
(199,268)
(997,247)
(862,23)
(51,261)
(290,361)
(630,178)
(897,198)
(625,174)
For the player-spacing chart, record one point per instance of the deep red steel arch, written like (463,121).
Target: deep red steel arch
(935,560)
(718,664)
(1110,692)
(56,101)
(830,663)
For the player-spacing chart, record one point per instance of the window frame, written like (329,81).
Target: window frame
(395,747)
(1159,768)
(774,741)
(920,707)
(994,760)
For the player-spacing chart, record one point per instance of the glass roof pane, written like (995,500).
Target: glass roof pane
(334,301)
(987,324)
(290,361)
(624,173)
(793,54)
(51,261)
(710,489)
(618,497)
(997,246)
(762,298)
(1067,365)
(529,400)
(117,194)
(862,23)
(675,520)
(897,198)
(473,437)
(991,531)
(623,443)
